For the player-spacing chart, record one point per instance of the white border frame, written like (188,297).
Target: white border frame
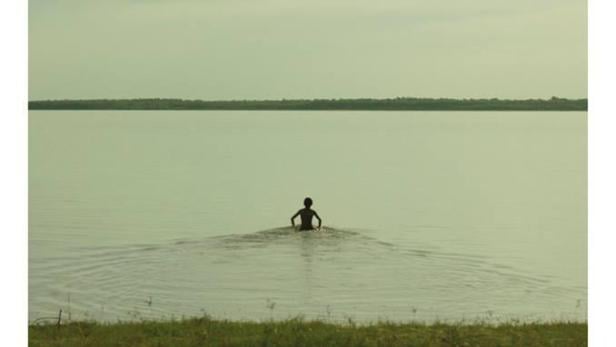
(602,173)
(14,171)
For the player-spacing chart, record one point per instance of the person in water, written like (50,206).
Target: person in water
(306,215)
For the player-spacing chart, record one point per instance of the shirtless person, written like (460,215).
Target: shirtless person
(306,215)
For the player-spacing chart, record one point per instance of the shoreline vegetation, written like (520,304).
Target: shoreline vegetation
(392,104)
(299,332)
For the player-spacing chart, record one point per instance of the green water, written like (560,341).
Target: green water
(430,215)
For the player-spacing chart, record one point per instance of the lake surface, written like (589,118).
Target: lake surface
(429,215)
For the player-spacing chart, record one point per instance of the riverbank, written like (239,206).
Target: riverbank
(367,104)
(297,332)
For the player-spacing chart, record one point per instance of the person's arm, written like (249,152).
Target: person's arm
(293,219)
(318,218)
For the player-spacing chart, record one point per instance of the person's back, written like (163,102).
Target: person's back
(306,215)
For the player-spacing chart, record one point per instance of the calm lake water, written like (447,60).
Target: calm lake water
(429,215)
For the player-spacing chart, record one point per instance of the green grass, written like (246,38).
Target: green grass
(297,332)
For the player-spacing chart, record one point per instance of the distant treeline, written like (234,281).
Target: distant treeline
(398,104)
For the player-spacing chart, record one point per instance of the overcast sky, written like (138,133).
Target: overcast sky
(273,49)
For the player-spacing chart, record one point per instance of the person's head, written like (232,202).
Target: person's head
(308,202)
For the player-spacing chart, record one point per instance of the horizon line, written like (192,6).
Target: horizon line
(316,99)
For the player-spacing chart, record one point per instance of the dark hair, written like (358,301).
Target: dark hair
(307,202)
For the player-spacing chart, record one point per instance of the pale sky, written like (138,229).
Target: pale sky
(274,49)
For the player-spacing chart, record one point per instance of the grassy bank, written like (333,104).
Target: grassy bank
(296,332)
